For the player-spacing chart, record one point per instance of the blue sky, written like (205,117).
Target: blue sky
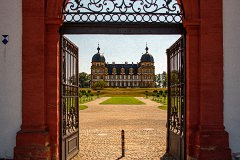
(121,48)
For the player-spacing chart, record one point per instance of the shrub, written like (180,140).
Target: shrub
(146,93)
(160,92)
(99,85)
(98,93)
(166,92)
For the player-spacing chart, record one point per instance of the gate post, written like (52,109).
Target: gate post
(39,134)
(206,136)
(53,83)
(32,141)
(192,84)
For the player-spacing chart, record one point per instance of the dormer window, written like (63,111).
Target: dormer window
(122,70)
(114,70)
(131,70)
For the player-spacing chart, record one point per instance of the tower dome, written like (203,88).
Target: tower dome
(98,57)
(146,57)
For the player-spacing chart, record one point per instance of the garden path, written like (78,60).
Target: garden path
(101,125)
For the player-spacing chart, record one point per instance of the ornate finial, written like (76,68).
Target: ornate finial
(146,48)
(98,48)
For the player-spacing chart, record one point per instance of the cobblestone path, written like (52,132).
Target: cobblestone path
(101,125)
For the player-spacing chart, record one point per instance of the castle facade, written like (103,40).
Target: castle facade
(124,75)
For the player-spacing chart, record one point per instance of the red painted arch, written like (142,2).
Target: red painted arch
(39,134)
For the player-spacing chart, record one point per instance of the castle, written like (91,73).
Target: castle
(123,75)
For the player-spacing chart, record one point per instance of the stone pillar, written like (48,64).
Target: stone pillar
(206,136)
(212,137)
(33,140)
(192,84)
(53,59)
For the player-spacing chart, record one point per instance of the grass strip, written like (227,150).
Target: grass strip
(122,101)
(82,107)
(164,107)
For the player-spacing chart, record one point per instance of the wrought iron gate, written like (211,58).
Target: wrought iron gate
(131,17)
(176,100)
(122,16)
(69,99)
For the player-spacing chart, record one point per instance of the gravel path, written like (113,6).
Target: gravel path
(101,125)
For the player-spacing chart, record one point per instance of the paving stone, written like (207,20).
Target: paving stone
(101,125)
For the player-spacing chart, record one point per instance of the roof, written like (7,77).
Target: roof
(125,66)
(98,58)
(147,58)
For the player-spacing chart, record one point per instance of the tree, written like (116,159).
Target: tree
(161,80)
(99,85)
(84,80)
(157,80)
(164,79)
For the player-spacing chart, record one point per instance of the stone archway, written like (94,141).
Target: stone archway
(39,134)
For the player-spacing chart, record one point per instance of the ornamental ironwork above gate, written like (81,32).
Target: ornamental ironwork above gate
(123,11)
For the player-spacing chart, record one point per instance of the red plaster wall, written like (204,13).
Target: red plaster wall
(206,137)
(39,135)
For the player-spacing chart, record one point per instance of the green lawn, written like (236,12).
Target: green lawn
(82,107)
(85,99)
(163,107)
(122,100)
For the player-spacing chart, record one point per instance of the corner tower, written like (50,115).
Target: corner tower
(98,68)
(147,70)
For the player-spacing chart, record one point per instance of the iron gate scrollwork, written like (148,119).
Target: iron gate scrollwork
(151,11)
(133,17)
(69,99)
(176,100)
